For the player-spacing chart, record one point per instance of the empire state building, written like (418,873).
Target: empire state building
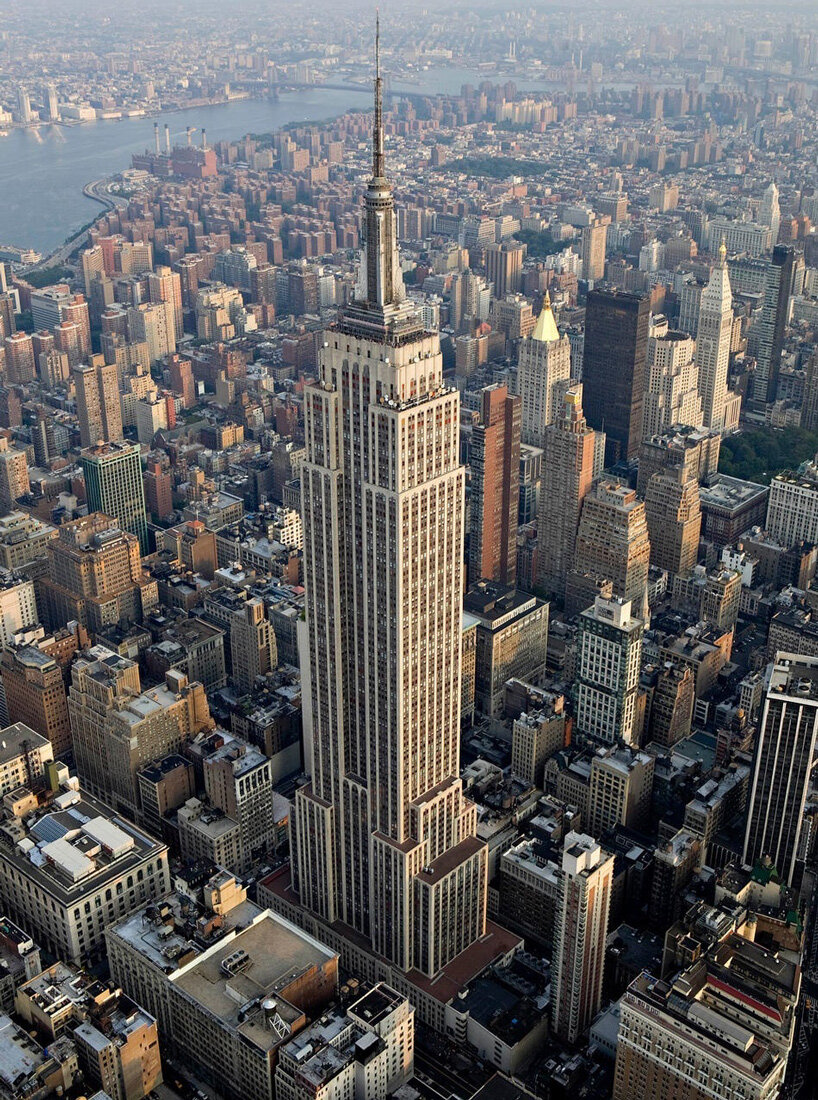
(384,839)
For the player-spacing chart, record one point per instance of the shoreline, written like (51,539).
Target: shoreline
(91,189)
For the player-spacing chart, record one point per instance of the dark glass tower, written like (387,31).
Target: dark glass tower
(773,322)
(613,369)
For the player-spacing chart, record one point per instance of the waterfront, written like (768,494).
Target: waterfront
(43,171)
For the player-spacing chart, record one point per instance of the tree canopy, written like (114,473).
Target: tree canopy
(761,453)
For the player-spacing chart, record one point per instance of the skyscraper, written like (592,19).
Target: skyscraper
(672,391)
(609,661)
(252,643)
(769,338)
(98,403)
(155,324)
(580,930)
(52,104)
(784,764)
(75,311)
(93,266)
(567,475)
(165,285)
(113,485)
(180,374)
(543,375)
(809,408)
(713,342)
(14,481)
(68,340)
(494,458)
(20,362)
(35,693)
(95,575)
(158,485)
(674,515)
(384,838)
(23,106)
(613,369)
(770,212)
(594,239)
(504,267)
(613,541)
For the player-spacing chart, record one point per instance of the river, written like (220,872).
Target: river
(43,170)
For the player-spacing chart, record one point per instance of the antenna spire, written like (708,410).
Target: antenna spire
(377,137)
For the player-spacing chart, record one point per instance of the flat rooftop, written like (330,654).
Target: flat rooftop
(492,604)
(731,493)
(795,676)
(169,946)
(15,738)
(74,845)
(248,967)
(494,945)
(19,1055)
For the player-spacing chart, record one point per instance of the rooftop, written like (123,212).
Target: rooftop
(101,451)
(19,738)
(172,932)
(493,603)
(231,979)
(17,527)
(795,676)
(500,1009)
(74,843)
(731,492)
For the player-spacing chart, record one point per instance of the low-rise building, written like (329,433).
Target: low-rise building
(31,1072)
(363,1053)
(23,756)
(227,1006)
(71,866)
(19,961)
(117,1042)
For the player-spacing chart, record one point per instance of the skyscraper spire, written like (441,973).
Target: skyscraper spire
(380,282)
(377,135)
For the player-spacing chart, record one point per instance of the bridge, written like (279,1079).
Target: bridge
(389,93)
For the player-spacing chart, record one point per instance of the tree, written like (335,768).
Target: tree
(761,453)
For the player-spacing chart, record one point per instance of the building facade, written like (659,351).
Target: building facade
(494,459)
(715,327)
(783,765)
(543,375)
(613,369)
(571,449)
(580,932)
(384,839)
(113,484)
(609,662)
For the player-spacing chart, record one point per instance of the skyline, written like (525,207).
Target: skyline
(409,554)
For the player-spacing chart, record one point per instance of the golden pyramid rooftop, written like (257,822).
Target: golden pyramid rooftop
(546,330)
